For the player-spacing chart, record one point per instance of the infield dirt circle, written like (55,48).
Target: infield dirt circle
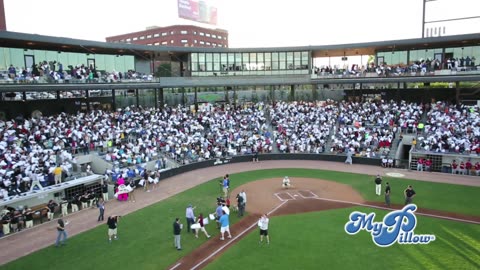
(268,196)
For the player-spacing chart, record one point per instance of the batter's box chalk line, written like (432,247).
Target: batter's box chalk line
(294,195)
(310,193)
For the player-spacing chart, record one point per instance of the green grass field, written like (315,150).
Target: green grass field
(318,241)
(146,240)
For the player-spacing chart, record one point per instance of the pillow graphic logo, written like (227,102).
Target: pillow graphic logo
(397,227)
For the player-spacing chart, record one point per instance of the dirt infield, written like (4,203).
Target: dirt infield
(267,196)
(43,235)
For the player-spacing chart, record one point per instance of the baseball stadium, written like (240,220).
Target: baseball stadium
(148,134)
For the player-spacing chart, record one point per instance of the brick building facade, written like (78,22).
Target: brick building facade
(175,35)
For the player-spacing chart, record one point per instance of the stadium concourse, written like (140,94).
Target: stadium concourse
(41,236)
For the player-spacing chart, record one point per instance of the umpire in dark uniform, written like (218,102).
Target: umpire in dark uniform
(409,194)
(387,194)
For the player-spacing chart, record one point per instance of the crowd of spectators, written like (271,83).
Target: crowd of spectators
(303,127)
(55,72)
(451,128)
(383,69)
(33,149)
(366,128)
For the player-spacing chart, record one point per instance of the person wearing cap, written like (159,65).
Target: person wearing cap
(378,185)
(286,182)
(190,216)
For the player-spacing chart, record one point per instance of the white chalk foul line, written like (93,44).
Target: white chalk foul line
(234,238)
(175,266)
(390,209)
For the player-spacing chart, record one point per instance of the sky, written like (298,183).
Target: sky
(251,23)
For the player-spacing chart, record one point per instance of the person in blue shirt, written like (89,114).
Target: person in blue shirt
(218,213)
(225,186)
(224,225)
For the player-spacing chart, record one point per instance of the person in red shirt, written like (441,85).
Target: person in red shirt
(468,167)
(428,165)
(462,167)
(420,164)
(477,168)
(454,167)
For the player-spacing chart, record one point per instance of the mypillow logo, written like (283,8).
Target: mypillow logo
(397,226)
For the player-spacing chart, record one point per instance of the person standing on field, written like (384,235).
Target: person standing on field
(387,194)
(224,225)
(409,194)
(378,185)
(263,225)
(112,223)
(177,228)
(101,208)
(62,234)
(190,216)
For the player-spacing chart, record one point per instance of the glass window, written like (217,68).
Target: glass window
(290,60)
(156,43)
(195,41)
(214,36)
(201,42)
(194,32)
(260,57)
(135,38)
(129,39)
(156,35)
(202,34)
(164,42)
(184,41)
(245,58)
(142,37)
(164,34)
(216,57)
(172,32)
(194,57)
(183,32)
(171,41)
(208,43)
(219,37)
(253,58)
(149,36)
(207,34)
(208,57)
(223,61)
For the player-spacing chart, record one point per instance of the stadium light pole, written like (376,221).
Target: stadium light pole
(424,22)
(423,16)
